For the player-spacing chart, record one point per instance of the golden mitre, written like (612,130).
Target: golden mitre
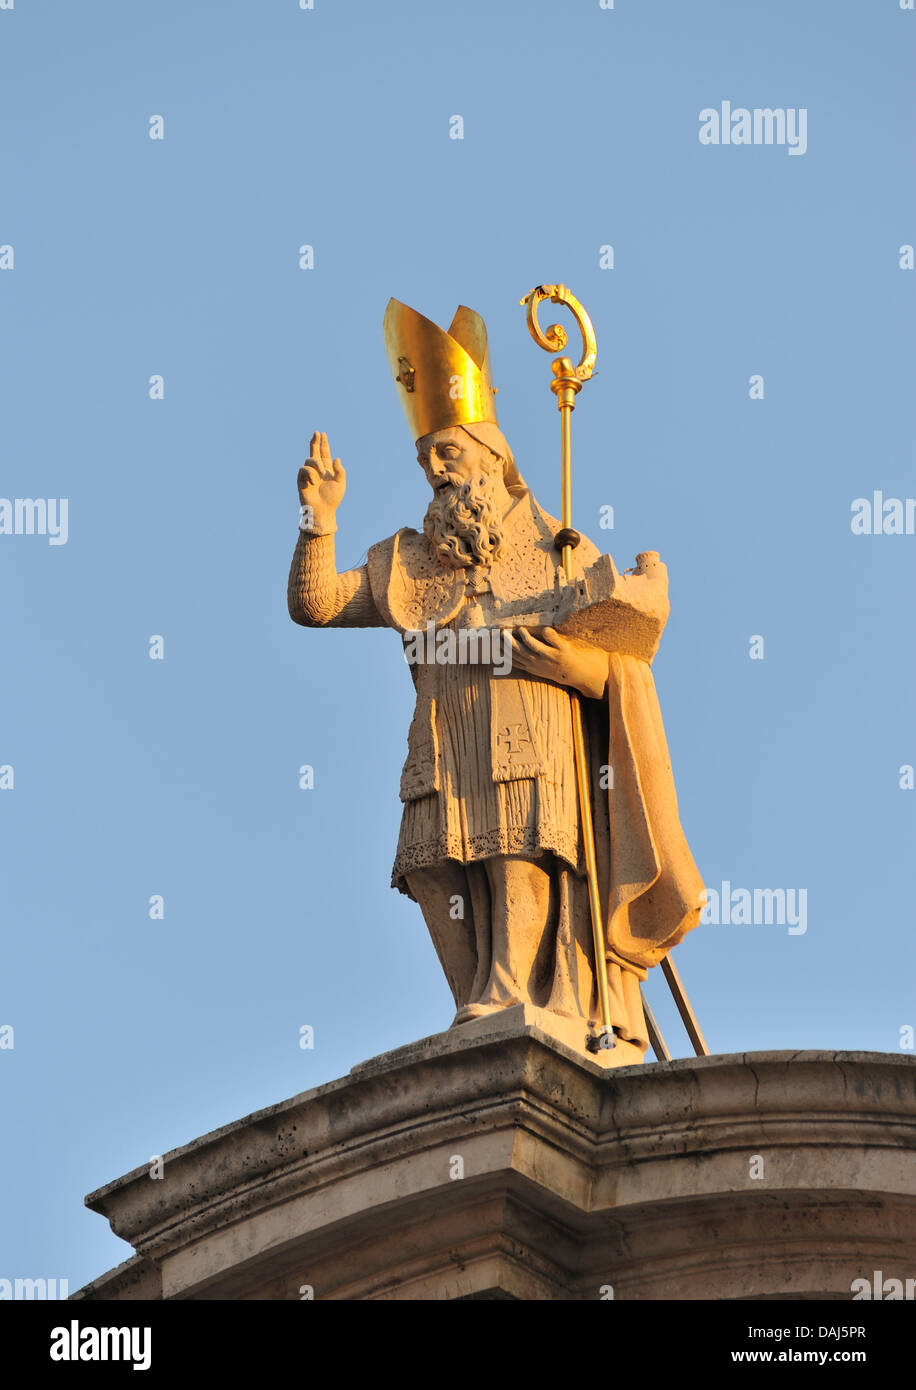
(443,378)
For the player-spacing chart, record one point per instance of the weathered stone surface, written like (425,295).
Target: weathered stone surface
(575,1178)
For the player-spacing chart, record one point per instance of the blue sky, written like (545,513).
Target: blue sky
(179,257)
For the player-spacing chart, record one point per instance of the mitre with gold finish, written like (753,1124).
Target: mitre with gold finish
(443,377)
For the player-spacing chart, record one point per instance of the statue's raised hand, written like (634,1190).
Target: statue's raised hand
(322,483)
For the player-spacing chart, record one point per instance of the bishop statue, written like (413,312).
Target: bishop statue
(491,840)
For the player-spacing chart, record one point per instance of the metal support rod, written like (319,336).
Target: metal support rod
(656,1041)
(684,1007)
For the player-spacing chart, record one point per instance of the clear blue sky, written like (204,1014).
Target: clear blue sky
(179,257)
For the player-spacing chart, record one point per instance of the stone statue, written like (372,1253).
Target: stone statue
(490,842)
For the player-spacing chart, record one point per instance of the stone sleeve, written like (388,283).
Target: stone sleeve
(317,596)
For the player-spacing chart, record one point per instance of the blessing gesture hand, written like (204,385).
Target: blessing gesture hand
(322,483)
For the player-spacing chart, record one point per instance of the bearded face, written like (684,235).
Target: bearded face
(464,520)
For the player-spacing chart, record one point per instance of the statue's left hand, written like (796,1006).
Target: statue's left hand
(546,653)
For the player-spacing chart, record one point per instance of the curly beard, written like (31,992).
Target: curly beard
(463,522)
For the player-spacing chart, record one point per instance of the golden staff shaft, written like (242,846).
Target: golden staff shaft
(566,385)
(566,477)
(585,804)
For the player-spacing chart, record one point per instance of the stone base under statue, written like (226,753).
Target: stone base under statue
(544,1023)
(492,1161)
